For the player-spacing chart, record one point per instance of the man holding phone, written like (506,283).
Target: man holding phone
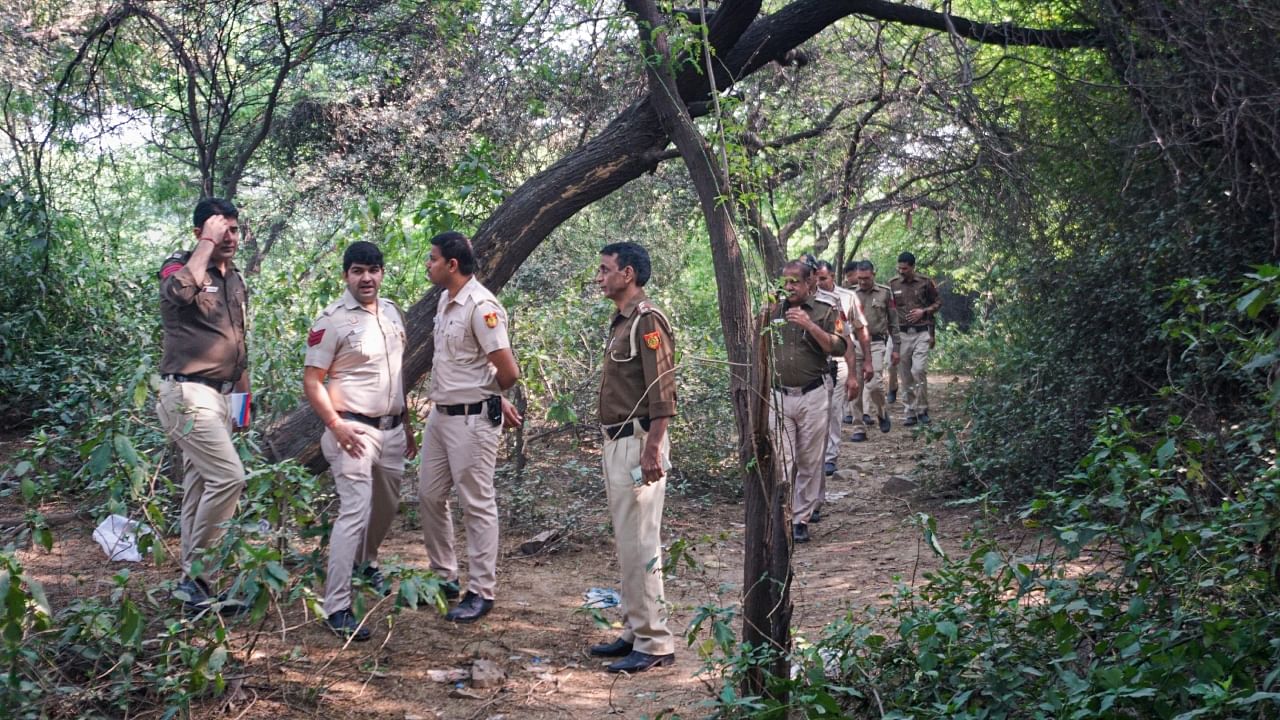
(203,302)
(357,344)
(473,364)
(637,402)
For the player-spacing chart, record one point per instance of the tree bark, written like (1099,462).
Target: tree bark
(767,572)
(632,145)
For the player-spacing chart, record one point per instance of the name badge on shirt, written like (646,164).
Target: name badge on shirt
(210,289)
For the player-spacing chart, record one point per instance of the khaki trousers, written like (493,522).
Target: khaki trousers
(913,368)
(873,402)
(836,408)
(636,512)
(198,419)
(460,451)
(798,424)
(368,497)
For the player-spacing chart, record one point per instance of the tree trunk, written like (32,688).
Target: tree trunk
(767,573)
(630,146)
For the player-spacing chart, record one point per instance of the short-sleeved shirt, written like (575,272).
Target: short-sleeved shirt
(204,325)
(638,380)
(467,328)
(881,313)
(362,349)
(919,292)
(798,359)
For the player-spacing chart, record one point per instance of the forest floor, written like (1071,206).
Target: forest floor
(537,634)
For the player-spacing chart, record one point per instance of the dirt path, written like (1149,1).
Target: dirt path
(537,634)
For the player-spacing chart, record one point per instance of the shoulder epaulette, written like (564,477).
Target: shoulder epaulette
(826,298)
(178,257)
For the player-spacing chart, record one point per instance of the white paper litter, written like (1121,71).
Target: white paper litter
(118,536)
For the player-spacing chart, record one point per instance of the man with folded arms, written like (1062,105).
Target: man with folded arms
(357,343)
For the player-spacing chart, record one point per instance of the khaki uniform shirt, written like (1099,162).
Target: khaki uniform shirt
(919,293)
(798,359)
(467,328)
(881,313)
(362,351)
(204,326)
(638,380)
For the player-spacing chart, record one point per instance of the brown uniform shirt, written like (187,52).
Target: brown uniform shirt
(638,379)
(204,326)
(362,352)
(881,313)
(919,293)
(798,359)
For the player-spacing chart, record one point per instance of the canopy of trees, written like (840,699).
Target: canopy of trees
(1102,176)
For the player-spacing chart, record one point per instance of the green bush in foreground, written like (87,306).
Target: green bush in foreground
(1159,595)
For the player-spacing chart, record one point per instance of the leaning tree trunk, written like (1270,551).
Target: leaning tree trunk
(632,145)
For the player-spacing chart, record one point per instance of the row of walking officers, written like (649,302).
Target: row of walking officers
(353,380)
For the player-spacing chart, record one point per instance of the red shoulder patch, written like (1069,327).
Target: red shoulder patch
(169,269)
(314,337)
(491,320)
(653,340)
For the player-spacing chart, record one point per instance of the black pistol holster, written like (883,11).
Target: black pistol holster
(493,409)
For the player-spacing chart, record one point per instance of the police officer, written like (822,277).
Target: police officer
(358,343)
(473,364)
(806,331)
(917,300)
(882,323)
(844,385)
(637,402)
(203,302)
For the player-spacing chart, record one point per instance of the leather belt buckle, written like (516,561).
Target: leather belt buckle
(387,422)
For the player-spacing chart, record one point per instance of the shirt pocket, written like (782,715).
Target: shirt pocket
(357,342)
(455,339)
(210,303)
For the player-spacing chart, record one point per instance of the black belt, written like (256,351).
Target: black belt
(879,338)
(463,409)
(916,328)
(386,422)
(222,386)
(626,429)
(799,391)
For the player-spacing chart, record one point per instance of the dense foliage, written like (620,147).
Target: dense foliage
(1114,210)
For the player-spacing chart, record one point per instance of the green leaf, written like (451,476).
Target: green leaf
(1165,452)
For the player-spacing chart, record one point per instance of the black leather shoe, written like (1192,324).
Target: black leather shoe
(639,662)
(344,624)
(373,578)
(884,423)
(194,594)
(816,515)
(924,417)
(472,608)
(800,533)
(828,469)
(858,436)
(911,420)
(617,648)
(848,420)
(451,590)
(866,419)
(893,397)
(196,599)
